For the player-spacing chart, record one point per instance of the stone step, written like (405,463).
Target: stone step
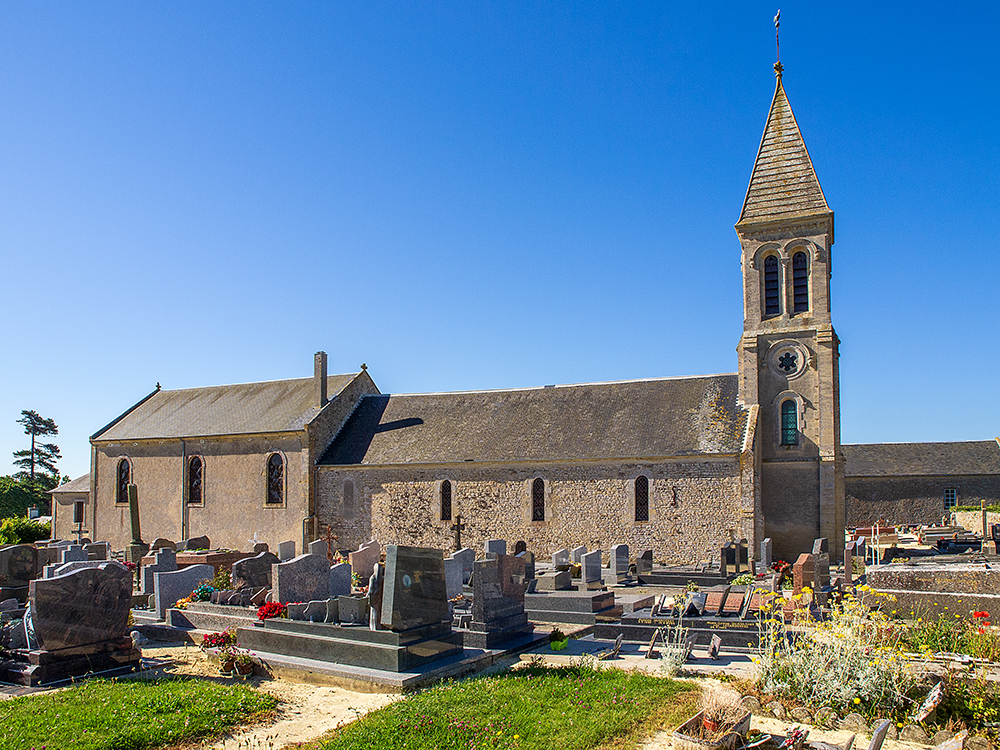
(213,620)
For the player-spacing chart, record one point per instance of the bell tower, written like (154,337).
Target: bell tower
(789,352)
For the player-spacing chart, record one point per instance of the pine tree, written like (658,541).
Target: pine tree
(41,456)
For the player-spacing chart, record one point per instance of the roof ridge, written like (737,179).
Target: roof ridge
(254,382)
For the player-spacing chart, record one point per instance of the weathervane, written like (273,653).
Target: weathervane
(777,44)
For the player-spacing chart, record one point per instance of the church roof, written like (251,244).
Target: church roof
(629,419)
(246,408)
(922,459)
(783,184)
(80,484)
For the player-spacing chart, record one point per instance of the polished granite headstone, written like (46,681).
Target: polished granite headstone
(162,543)
(353,610)
(255,571)
(415,592)
(259,547)
(97,550)
(529,563)
(453,576)
(590,564)
(301,579)
(318,547)
(644,563)
(468,557)
(577,553)
(195,543)
(60,570)
(18,565)
(497,603)
(554,580)
(496,547)
(73,553)
(520,546)
(286,550)
(340,580)
(363,560)
(164,561)
(560,557)
(171,586)
(619,562)
(765,554)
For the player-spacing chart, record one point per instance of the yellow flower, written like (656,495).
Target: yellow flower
(857,701)
(517,736)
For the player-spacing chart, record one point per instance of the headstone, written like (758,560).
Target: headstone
(162,543)
(727,560)
(714,647)
(18,565)
(590,563)
(560,557)
(415,591)
(576,555)
(742,557)
(694,605)
(73,553)
(619,562)
(286,551)
(296,611)
(316,611)
(529,564)
(554,580)
(259,547)
(453,576)
(352,610)
(765,554)
(497,602)
(644,563)
(363,560)
(722,602)
(803,573)
(318,547)
(81,608)
(9,605)
(821,559)
(496,547)
(164,561)
(61,570)
(195,543)
(255,571)
(520,546)
(301,579)
(468,558)
(96,550)
(849,563)
(340,580)
(747,604)
(170,586)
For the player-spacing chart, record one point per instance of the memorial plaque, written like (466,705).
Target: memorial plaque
(415,591)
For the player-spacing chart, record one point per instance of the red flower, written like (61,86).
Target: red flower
(271,609)
(980,614)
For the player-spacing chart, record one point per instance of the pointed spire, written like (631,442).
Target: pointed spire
(783,183)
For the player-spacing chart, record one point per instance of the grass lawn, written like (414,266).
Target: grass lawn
(566,708)
(132,714)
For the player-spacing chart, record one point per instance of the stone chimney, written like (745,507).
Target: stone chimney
(319,379)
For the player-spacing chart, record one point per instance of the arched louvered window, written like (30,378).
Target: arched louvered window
(800,281)
(789,423)
(196,469)
(445,500)
(772,289)
(275,479)
(641,498)
(124,480)
(538,500)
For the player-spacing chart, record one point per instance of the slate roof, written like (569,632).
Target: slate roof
(922,459)
(80,484)
(246,408)
(783,183)
(629,419)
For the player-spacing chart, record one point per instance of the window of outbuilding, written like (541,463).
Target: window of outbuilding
(789,422)
(800,282)
(195,480)
(124,480)
(772,289)
(78,511)
(538,500)
(445,500)
(950,498)
(641,498)
(275,479)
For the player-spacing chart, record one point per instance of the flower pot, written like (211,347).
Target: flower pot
(244,668)
(227,666)
(688,736)
(710,725)
(559,645)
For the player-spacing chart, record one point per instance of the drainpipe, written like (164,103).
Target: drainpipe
(93,490)
(184,508)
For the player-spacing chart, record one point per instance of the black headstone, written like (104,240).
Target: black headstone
(415,592)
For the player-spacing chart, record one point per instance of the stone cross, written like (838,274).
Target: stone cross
(329,537)
(458,527)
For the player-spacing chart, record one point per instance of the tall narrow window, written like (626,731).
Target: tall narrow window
(538,500)
(772,291)
(641,498)
(950,498)
(800,282)
(275,479)
(78,511)
(124,480)
(789,423)
(196,469)
(348,494)
(445,500)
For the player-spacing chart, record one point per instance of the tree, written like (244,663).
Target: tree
(41,455)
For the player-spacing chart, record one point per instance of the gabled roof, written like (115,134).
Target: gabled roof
(922,459)
(630,419)
(246,408)
(783,184)
(80,484)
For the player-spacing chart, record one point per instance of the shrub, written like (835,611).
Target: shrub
(952,633)
(222,581)
(22,531)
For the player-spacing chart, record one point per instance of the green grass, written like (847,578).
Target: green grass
(569,708)
(128,715)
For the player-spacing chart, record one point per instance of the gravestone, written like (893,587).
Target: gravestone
(765,554)
(497,602)
(821,558)
(18,565)
(255,571)
(415,592)
(162,543)
(644,563)
(714,647)
(727,560)
(318,547)
(560,557)
(296,611)
(849,563)
(170,586)
(742,557)
(496,547)
(694,603)
(363,560)
(803,573)
(340,580)
(82,608)
(164,561)
(61,570)
(529,564)
(618,562)
(286,551)
(73,553)
(467,556)
(576,555)
(259,547)
(352,610)
(301,579)
(195,543)
(96,550)
(590,574)
(453,576)
(722,602)
(520,546)
(317,611)
(554,580)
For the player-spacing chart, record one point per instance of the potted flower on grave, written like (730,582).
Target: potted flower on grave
(227,658)
(243,661)
(558,640)
(721,724)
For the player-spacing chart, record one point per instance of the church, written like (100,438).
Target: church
(678,465)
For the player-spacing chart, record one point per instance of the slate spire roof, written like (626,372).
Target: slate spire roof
(783,184)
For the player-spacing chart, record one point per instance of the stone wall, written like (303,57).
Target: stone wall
(693,506)
(912,500)
(62,514)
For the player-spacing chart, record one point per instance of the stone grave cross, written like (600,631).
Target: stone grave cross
(458,527)
(329,537)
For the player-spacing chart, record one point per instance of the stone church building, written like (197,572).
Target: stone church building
(677,465)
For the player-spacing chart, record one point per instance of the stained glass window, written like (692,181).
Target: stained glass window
(641,499)
(195,471)
(538,500)
(124,480)
(789,423)
(445,500)
(275,479)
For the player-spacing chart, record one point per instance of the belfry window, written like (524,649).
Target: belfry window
(789,423)
(445,500)
(124,480)
(641,498)
(800,282)
(772,289)
(538,500)
(275,479)
(196,468)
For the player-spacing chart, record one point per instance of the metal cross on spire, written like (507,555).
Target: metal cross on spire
(777,44)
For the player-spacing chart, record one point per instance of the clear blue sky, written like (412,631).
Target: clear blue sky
(482,195)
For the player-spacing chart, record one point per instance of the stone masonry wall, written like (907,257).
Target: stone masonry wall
(693,505)
(912,500)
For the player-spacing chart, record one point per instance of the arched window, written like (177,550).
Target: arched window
(641,498)
(538,500)
(445,500)
(196,469)
(789,423)
(772,290)
(124,480)
(348,493)
(800,282)
(275,479)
